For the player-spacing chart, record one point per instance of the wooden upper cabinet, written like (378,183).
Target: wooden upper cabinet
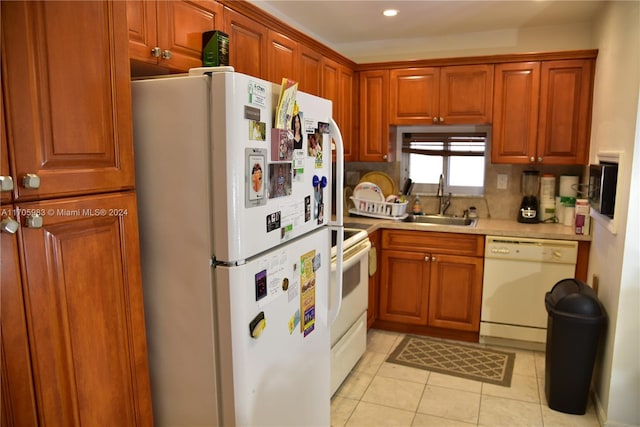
(515,112)
(337,86)
(414,95)
(169,33)
(375,144)
(466,94)
(565,111)
(441,95)
(248,41)
(84,308)
(69,121)
(542,112)
(310,71)
(345,116)
(283,58)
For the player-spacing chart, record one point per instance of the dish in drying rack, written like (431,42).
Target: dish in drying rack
(368,191)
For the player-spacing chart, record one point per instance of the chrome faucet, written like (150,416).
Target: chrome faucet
(445,201)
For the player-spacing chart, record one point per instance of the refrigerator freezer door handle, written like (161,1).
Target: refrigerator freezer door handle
(339,187)
(337,224)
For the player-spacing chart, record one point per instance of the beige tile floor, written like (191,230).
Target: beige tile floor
(377,393)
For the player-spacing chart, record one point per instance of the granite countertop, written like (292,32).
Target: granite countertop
(485,226)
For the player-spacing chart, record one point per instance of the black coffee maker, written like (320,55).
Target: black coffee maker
(530,184)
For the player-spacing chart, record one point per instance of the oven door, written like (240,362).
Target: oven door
(355,288)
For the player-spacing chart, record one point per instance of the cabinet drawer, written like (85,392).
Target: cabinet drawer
(427,241)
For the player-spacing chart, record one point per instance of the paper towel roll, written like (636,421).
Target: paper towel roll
(568,186)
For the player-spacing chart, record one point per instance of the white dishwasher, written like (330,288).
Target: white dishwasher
(517,274)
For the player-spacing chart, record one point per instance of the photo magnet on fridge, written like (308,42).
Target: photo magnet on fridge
(281,145)
(255,177)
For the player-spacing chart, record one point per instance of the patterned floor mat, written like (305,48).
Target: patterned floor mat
(465,361)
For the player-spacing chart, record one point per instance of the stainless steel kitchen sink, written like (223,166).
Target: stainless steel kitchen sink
(442,220)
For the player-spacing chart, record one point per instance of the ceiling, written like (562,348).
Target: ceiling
(358,30)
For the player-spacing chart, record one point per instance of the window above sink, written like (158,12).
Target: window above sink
(456,152)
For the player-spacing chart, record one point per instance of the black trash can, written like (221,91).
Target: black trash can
(575,325)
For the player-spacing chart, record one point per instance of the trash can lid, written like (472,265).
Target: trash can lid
(575,297)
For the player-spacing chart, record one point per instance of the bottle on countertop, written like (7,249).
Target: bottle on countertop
(417,206)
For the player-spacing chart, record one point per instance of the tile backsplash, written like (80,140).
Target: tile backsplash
(497,204)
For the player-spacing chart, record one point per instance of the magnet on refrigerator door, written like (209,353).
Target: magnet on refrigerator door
(308,292)
(279,180)
(257,130)
(294,321)
(255,170)
(281,145)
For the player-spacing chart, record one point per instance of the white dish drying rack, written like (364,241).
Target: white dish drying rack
(376,209)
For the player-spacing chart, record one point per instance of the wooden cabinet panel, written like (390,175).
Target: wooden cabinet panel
(180,28)
(442,95)
(85,312)
(344,115)
(375,144)
(565,105)
(542,112)
(5,172)
(70,122)
(429,286)
(414,95)
(443,243)
(455,292)
(143,30)
(18,399)
(283,58)
(404,287)
(466,94)
(247,44)
(310,71)
(515,112)
(337,86)
(173,27)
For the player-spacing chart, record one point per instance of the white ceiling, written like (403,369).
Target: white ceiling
(357,29)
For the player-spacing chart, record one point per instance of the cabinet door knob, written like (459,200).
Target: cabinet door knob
(532,159)
(156,52)
(31,181)
(539,159)
(6,183)
(166,54)
(434,259)
(435,120)
(441,119)
(385,157)
(427,258)
(34,221)
(9,225)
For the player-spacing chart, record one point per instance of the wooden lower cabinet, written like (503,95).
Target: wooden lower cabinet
(431,283)
(84,312)
(18,400)
(455,292)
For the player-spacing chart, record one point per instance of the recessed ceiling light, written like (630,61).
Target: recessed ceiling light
(390,12)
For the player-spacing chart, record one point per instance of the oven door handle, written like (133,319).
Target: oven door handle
(353,255)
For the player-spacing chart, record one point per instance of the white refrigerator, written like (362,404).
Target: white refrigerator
(235,243)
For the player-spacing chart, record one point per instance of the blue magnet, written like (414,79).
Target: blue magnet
(323,182)
(316,180)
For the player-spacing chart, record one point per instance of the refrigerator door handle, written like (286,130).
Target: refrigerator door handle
(337,224)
